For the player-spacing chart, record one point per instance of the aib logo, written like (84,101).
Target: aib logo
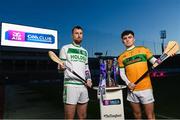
(15,35)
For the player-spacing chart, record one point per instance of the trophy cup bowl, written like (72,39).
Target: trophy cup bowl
(110,82)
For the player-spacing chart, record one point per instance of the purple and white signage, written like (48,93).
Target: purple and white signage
(24,36)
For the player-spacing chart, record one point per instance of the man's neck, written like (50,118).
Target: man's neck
(130,48)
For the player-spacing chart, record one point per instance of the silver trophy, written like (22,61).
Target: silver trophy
(110,82)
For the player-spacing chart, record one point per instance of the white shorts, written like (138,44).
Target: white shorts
(143,96)
(75,94)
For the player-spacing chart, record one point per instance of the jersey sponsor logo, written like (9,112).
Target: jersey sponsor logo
(77,55)
(135,59)
(78,58)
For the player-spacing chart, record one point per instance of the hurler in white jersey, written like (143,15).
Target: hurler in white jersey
(75,94)
(76,58)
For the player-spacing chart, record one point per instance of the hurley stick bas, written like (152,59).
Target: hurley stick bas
(56,59)
(171,49)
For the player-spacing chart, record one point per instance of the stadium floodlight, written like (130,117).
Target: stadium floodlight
(162,36)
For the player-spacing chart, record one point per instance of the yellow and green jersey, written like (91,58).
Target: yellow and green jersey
(134,62)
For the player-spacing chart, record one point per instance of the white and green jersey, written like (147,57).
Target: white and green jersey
(76,58)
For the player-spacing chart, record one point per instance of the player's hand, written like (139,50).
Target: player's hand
(89,83)
(172,55)
(131,86)
(61,67)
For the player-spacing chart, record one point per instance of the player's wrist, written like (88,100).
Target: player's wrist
(89,79)
(158,61)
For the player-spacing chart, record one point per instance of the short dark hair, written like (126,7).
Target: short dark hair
(126,32)
(77,27)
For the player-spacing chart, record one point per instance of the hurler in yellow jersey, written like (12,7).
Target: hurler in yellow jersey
(135,63)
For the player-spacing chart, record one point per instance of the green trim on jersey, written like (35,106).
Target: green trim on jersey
(72,83)
(63,59)
(135,59)
(120,67)
(65,94)
(77,51)
(76,45)
(151,57)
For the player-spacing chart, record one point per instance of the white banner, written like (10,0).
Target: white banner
(25,36)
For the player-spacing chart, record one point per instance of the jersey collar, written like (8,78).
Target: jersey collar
(131,47)
(76,45)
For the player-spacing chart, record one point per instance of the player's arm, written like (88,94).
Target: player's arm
(88,74)
(62,56)
(154,60)
(130,85)
(123,76)
(151,58)
(61,67)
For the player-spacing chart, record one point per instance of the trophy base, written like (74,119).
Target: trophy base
(112,86)
(111,83)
